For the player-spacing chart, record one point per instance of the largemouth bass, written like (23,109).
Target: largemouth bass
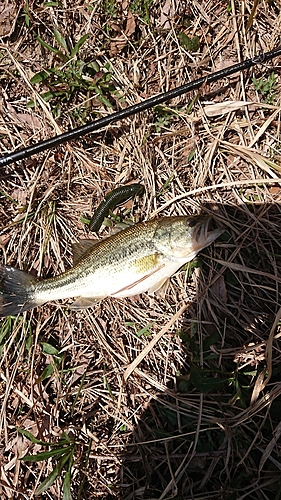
(138,259)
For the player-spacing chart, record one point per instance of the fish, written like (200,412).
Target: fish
(138,259)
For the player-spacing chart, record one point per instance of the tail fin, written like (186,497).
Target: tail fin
(16,291)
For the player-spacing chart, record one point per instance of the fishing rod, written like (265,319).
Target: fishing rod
(136,108)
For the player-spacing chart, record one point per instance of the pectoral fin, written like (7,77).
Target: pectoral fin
(84,303)
(137,282)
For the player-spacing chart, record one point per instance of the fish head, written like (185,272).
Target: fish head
(189,235)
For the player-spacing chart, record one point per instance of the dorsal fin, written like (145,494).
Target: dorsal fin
(79,249)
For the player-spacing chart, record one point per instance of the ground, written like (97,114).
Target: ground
(174,396)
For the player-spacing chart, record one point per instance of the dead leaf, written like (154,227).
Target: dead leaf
(225,63)
(130,25)
(218,288)
(21,195)
(30,121)
(9,12)
(79,372)
(4,239)
(251,355)
(167,14)
(119,42)
(274,190)
(222,108)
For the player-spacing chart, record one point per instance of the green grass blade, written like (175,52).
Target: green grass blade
(66,486)
(61,41)
(45,455)
(79,44)
(32,438)
(54,474)
(49,349)
(46,45)
(48,481)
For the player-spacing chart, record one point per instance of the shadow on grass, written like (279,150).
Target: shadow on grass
(214,433)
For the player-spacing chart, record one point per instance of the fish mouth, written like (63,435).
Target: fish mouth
(205,233)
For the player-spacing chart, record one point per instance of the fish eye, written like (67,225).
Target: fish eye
(191,223)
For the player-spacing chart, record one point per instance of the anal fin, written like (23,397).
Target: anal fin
(160,287)
(84,303)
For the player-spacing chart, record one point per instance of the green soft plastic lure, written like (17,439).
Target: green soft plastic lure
(116,197)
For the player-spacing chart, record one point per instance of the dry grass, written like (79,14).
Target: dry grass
(198,416)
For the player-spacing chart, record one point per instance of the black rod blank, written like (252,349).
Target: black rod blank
(136,108)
